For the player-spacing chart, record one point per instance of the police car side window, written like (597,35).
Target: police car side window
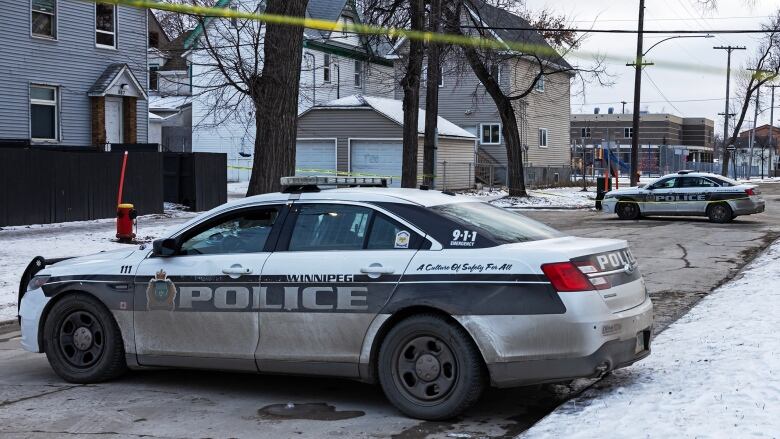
(243,232)
(387,234)
(321,227)
(665,184)
(696,182)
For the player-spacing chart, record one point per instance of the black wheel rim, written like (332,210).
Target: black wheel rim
(719,213)
(425,369)
(629,210)
(81,339)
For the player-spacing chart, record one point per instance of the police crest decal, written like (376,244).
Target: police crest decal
(161,293)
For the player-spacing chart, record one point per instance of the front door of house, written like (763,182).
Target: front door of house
(113,120)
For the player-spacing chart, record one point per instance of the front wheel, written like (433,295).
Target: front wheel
(627,210)
(82,341)
(720,213)
(430,369)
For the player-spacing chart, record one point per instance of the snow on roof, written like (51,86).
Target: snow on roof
(168,102)
(393,110)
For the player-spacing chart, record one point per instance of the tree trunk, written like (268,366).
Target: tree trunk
(275,96)
(432,98)
(411,102)
(510,129)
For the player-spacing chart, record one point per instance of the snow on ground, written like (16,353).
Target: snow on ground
(22,243)
(552,198)
(713,373)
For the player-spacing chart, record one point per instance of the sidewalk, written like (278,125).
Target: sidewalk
(713,373)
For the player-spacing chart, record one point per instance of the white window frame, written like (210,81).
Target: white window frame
(585,132)
(55,103)
(114,33)
(424,75)
(359,67)
(55,22)
(540,85)
(149,77)
(630,131)
(498,72)
(482,130)
(544,134)
(326,73)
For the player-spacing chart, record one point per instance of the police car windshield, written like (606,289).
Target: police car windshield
(502,225)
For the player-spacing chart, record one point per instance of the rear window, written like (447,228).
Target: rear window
(500,225)
(723,181)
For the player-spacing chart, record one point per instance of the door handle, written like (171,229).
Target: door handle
(377,269)
(237,271)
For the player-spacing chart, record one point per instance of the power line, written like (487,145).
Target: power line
(633,20)
(652,102)
(625,31)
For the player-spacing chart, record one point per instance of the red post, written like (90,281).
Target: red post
(122,180)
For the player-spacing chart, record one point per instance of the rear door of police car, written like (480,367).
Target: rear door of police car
(335,266)
(694,193)
(199,307)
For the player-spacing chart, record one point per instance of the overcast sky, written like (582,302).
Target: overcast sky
(697,83)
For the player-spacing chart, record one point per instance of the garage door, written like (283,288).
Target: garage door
(312,157)
(377,157)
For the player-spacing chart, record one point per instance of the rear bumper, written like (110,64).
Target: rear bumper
(748,206)
(586,341)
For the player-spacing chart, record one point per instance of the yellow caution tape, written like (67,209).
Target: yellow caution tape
(543,50)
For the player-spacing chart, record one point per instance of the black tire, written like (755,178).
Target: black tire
(82,341)
(430,369)
(720,213)
(627,210)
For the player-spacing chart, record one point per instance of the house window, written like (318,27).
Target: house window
(585,133)
(358,74)
(153,77)
(326,68)
(424,78)
(105,25)
(543,137)
(43,112)
(154,39)
(491,133)
(540,84)
(628,133)
(44,18)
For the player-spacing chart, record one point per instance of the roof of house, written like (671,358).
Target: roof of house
(393,110)
(174,51)
(511,27)
(775,131)
(106,80)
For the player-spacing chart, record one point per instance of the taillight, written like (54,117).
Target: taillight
(565,276)
(750,192)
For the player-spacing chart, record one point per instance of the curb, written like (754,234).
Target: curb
(8,326)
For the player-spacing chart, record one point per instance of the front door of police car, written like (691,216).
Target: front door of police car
(199,307)
(662,196)
(336,266)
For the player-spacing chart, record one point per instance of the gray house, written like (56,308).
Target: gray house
(543,115)
(73,73)
(362,135)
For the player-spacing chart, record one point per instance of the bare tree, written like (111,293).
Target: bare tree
(765,66)
(175,23)
(252,70)
(432,94)
(468,18)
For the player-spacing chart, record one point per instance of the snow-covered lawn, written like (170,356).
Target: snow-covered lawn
(713,373)
(22,243)
(552,198)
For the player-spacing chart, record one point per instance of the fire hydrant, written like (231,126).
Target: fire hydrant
(125,219)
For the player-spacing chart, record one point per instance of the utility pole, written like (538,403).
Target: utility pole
(753,134)
(724,170)
(771,125)
(624,106)
(638,64)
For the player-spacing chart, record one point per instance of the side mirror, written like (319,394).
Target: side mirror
(164,247)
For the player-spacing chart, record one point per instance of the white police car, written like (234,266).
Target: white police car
(432,295)
(686,193)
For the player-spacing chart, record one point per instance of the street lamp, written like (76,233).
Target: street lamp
(638,64)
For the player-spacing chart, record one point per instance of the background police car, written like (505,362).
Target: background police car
(686,193)
(432,295)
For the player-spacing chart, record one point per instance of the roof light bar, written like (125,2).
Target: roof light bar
(335,181)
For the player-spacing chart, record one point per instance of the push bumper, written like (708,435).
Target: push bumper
(587,341)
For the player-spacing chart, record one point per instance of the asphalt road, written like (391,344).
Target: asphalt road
(681,259)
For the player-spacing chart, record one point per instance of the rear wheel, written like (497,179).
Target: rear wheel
(82,341)
(720,213)
(429,368)
(627,210)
